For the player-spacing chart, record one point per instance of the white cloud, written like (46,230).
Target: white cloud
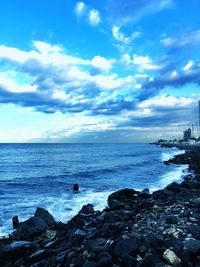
(141,62)
(101,63)
(166,101)
(121,37)
(144,62)
(188,65)
(187,38)
(11,85)
(94,17)
(80,8)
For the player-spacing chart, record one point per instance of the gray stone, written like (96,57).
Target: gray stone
(171,257)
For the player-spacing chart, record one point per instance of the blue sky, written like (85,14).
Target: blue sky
(98,71)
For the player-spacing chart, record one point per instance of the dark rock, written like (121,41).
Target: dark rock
(38,256)
(125,246)
(171,219)
(194,229)
(185,257)
(100,219)
(92,243)
(104,254)
(149,260)
(146,191)
(87,209)
(104,259)
(157,241)
(174,187)
(129,261)
(46,216)
(109,217)
(192,245)
(114,204)
(79,233)
(90,264)
(31,227)
(18,249)
(175,245)
(122,196)
(15,221)
(78,261)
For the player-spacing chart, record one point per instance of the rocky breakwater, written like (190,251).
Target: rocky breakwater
(137,229)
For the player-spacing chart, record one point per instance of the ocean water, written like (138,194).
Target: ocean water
(43,175)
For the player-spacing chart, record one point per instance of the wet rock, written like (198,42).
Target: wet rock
(171,219)
(18,249)
(122,196)
(114,204)
(87,209)
(38,256)
(146,191)
(46,216)
(174,187)
(31,227)
(125,246)
(15,221)
(171,257)
(80,233)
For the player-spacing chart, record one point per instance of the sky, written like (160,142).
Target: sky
(98,71)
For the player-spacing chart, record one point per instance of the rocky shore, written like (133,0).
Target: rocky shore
(137,229)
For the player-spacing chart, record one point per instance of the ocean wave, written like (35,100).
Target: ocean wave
(165,156)
(176,175)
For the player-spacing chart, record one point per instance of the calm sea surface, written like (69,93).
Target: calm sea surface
(33,175)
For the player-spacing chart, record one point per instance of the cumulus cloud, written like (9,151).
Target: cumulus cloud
(94,17)
(54,80)
(141,62)
(58,81)
(121,37)
(101,63)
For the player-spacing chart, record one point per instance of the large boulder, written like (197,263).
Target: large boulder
(46,216)
(122,196)
(31,227)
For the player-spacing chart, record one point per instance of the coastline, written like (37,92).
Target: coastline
(137,229)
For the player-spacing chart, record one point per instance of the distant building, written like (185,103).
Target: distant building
(187,134)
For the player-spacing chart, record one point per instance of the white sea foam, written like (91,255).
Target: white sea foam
(66,207)
(171,153)
(176,175)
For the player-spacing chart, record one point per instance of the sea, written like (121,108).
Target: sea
(43,175)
